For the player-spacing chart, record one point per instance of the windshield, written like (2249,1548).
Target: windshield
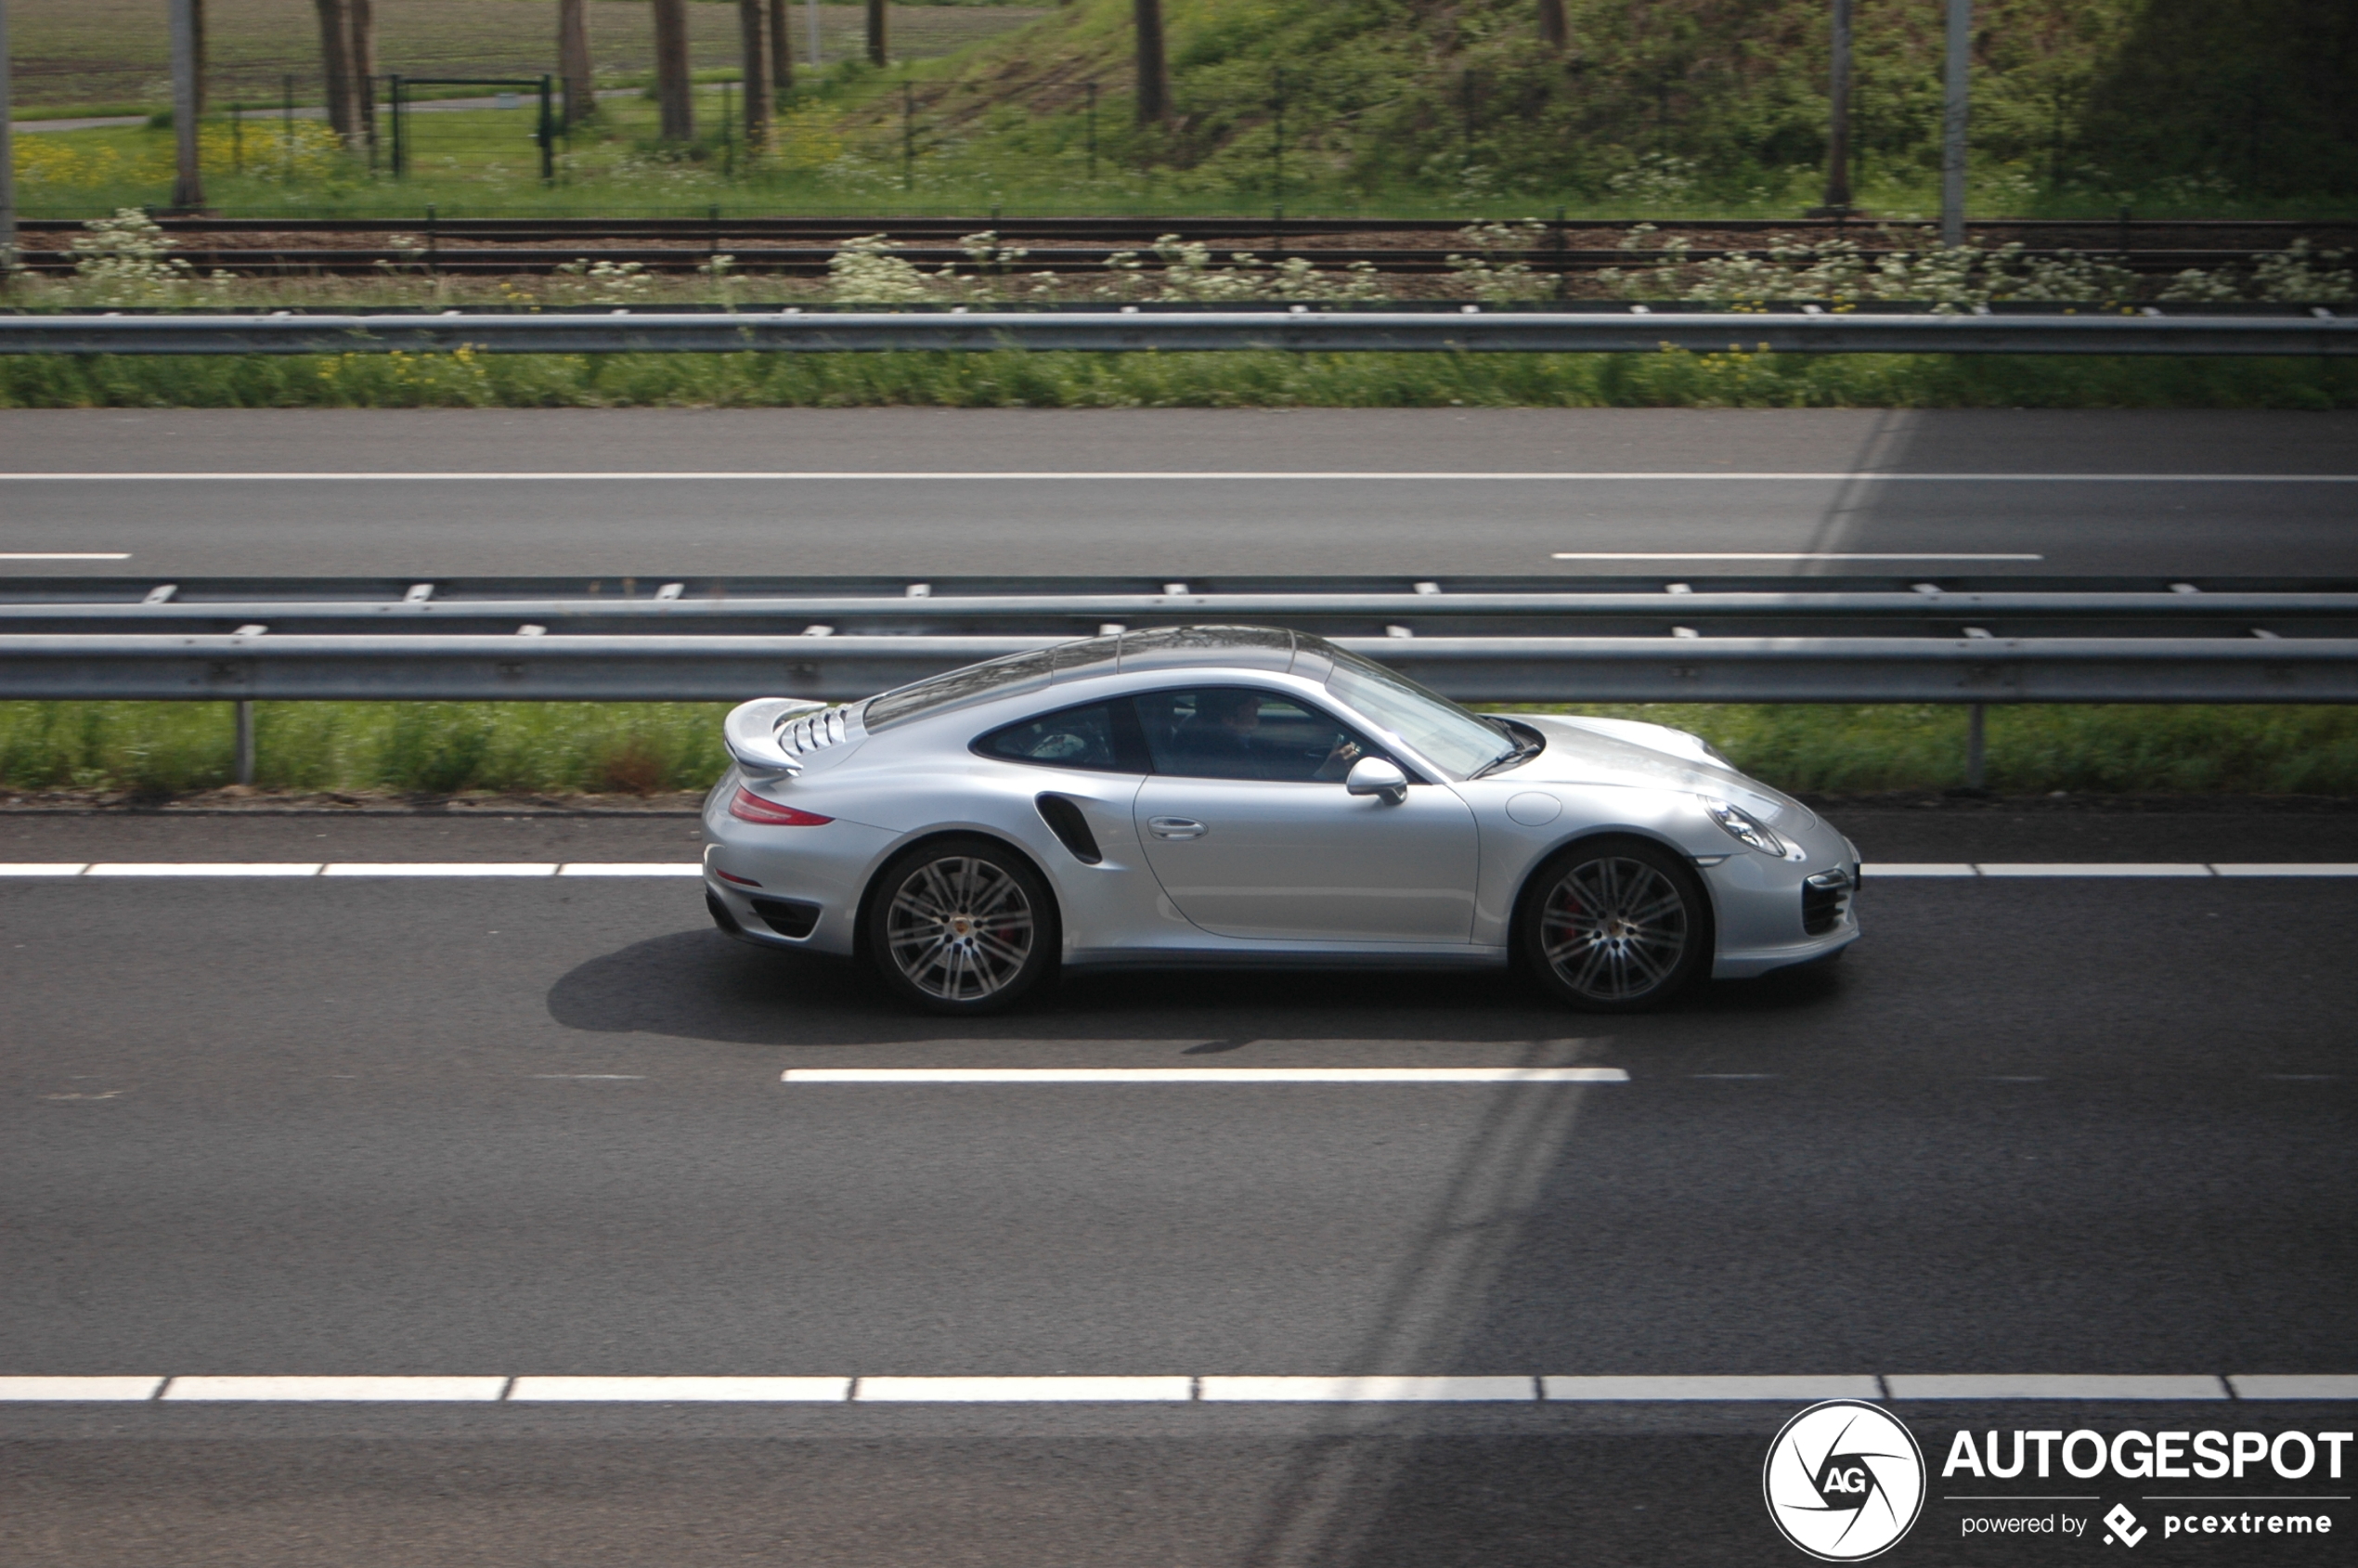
(1418,718)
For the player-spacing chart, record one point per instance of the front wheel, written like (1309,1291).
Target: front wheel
(962,926)
(1616,926)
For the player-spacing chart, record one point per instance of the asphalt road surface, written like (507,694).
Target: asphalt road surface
(1649,492)
(486,1127)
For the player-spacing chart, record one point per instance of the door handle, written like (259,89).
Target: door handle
(1175,828)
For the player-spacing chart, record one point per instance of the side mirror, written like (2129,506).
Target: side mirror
(751,734)
(1378,775)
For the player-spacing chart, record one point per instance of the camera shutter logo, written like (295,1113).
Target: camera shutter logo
(1845,1481)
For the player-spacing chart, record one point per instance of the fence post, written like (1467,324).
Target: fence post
(548,131)
(1953,124)
(245,741)
(286,125)
(1277,144)
(1093,133)
(393,107)
(908,130)
(1977,746)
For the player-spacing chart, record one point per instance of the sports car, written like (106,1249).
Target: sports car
(1247,796)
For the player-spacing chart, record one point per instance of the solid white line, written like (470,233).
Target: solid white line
(1819,477)
(1915,868)
(1023,1391)
(1204,1075)
(1772,555)
(2090,868)
(630,868)
(1368,1390)
(76,1389)
(2289,868)
(205,868)
(2007,1385)
(42,868)
(357,1390)
(1832,1386)
(65,555)
(440,868)
(685,1391)
(2329,1385)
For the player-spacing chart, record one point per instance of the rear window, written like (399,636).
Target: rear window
(1100,736)
(998,678)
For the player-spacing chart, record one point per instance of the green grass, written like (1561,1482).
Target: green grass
(1241,379)
(163,749)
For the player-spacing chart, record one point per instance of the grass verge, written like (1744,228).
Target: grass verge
(1014,379)
(162,749)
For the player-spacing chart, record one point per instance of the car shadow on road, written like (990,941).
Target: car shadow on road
(700,985)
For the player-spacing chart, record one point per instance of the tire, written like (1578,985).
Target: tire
(1616,926)
(962,926)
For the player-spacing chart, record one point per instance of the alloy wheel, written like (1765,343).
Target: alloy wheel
(960,928)
(1614,930)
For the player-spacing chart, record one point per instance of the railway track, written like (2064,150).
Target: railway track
(803,247)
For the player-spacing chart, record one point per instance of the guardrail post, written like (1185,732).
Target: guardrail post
(245,741)
(1976,749)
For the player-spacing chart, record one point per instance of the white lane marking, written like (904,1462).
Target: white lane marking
(595,1077)
(1773,555)
(630,868)
(1019,1391)
(2270,1385)
(2101,868)
(2008,1385)
(1204,1075)
(205,868)
(42,868)
(1915,868)
(65,555)
(695,1390)
(356,1389)
(76,1389)
(1830,1386)
(440,868)
(1806,476)
(2314,868)
(1370,1390)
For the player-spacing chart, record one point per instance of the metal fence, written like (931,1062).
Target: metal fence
(1468,330)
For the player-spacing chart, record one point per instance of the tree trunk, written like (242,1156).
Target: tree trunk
(781,49)
(195,13)
(1555,31)
(335,63)
(573,61)
(758,95)
(674,88)
(879,44)
(364,69)
(1154,79)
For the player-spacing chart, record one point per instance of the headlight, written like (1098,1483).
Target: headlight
(1741,828)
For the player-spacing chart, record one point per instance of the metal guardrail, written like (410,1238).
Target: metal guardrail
(1298,329)
(1751,669)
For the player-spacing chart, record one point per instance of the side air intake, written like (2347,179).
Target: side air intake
(1064,820)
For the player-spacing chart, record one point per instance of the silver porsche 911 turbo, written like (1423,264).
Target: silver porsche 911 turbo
(1234,796)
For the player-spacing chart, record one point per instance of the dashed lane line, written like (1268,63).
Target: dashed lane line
(1444,476)
(1019,1075)
(1518,1388)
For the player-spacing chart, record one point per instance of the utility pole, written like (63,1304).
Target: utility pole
(8,165)
(1154,77)
(573,61)
(1837,204)
(879,44)
(1953,124)
(187,189)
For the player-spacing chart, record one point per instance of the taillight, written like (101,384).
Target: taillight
(749,807)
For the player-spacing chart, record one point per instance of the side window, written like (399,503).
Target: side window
(1096,735)
(1237,732)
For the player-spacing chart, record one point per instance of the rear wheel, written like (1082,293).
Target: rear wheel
(962,926)
(1617,925)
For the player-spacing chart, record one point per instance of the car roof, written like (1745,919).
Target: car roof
(1239,649)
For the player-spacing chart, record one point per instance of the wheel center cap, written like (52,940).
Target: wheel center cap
(960,925)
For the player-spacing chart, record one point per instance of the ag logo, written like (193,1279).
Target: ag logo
(1844,1480)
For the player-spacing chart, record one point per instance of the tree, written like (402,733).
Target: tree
(196,18)
(1555,31)
(1154,79)
(879,46)
(364,67)
(674,89)
(781,49)
(573,61)
(751,15)
(335,64)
